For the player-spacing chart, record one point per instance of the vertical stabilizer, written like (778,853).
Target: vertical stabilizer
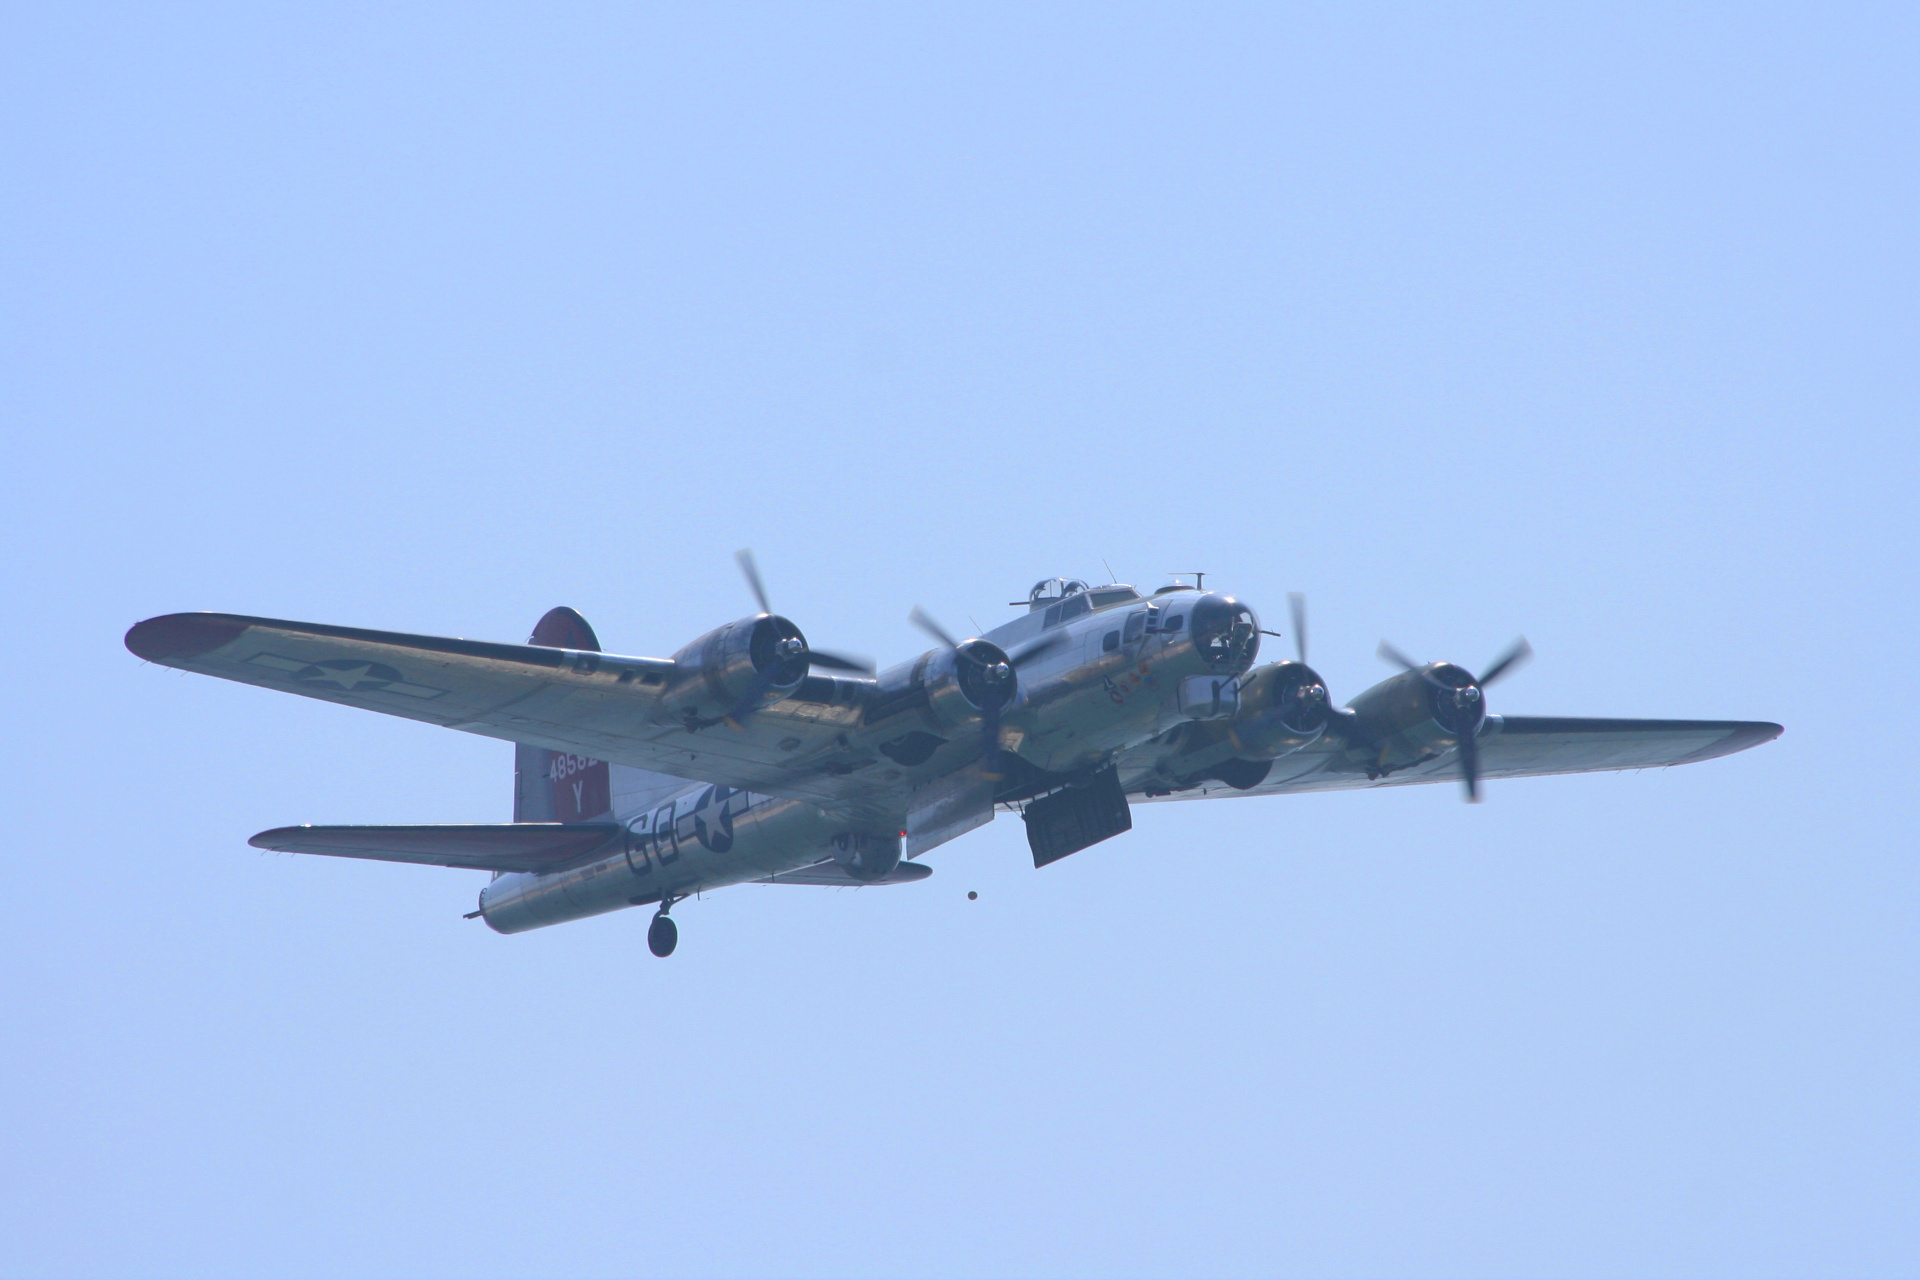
(553,786)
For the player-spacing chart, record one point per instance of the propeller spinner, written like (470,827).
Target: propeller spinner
(787,651)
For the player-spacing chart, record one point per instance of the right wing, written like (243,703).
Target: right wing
(596,705)
(1510,747)
(509,846)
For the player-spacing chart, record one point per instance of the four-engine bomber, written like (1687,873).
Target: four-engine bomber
(647,780)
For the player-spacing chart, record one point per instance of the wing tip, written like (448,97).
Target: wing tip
(176,637)
(1745,734)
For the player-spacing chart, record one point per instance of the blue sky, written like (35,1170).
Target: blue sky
(1596,325)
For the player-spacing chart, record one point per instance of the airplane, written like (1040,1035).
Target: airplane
(751,757)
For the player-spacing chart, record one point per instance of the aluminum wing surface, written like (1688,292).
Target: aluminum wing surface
(593,704)
(511,846)
(1510,747)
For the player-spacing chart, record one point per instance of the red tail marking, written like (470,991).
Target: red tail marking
(582,787)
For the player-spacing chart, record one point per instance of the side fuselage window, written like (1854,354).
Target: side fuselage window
(1136,626)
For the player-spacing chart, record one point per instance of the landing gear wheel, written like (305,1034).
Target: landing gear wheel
(662,935)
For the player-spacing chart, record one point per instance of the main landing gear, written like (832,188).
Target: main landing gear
(663,934)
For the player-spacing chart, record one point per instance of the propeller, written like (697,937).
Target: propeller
(1310,701)
(792,648)
(816,657)
(997,674)
(924,620)
(1393,655)
(1466,700)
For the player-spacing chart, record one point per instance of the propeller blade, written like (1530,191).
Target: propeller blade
(747,566)
(1470,765)
(990,731)
(1297,605)
(1390,654)
(923,620)
(1517,653)
(840,661)
(1034,648)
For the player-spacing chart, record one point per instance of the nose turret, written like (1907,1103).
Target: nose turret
(1226,634)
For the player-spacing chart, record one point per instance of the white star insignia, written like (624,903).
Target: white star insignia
(347,676)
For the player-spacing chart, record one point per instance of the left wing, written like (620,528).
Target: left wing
(1510,747)
(593,704)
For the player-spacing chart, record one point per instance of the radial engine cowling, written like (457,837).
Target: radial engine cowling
(740,667)
(1410,716)
(967,684)
(1283,707)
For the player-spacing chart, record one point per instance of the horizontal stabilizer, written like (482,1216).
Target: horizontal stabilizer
(831,874)
(510,846)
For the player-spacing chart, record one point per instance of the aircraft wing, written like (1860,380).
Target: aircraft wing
(593,704)
(509,846)
(1513,747)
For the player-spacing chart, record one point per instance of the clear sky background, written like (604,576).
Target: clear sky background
(1593,325)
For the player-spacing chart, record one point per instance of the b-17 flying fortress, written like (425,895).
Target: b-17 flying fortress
(749,756)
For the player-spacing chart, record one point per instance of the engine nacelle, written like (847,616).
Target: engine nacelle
(1413,716)
(966,684)
(1283,707)
(866,858)
(954,690)
(743,666)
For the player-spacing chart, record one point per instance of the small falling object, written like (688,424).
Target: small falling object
(972,896)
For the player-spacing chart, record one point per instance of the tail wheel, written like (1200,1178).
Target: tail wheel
(662,936)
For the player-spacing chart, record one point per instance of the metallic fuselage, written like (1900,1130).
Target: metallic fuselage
(1123,671)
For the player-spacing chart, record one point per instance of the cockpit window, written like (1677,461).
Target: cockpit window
(1049,591)
(1066,610)
(1055,588)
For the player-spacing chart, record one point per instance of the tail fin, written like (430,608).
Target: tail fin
(551,786)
